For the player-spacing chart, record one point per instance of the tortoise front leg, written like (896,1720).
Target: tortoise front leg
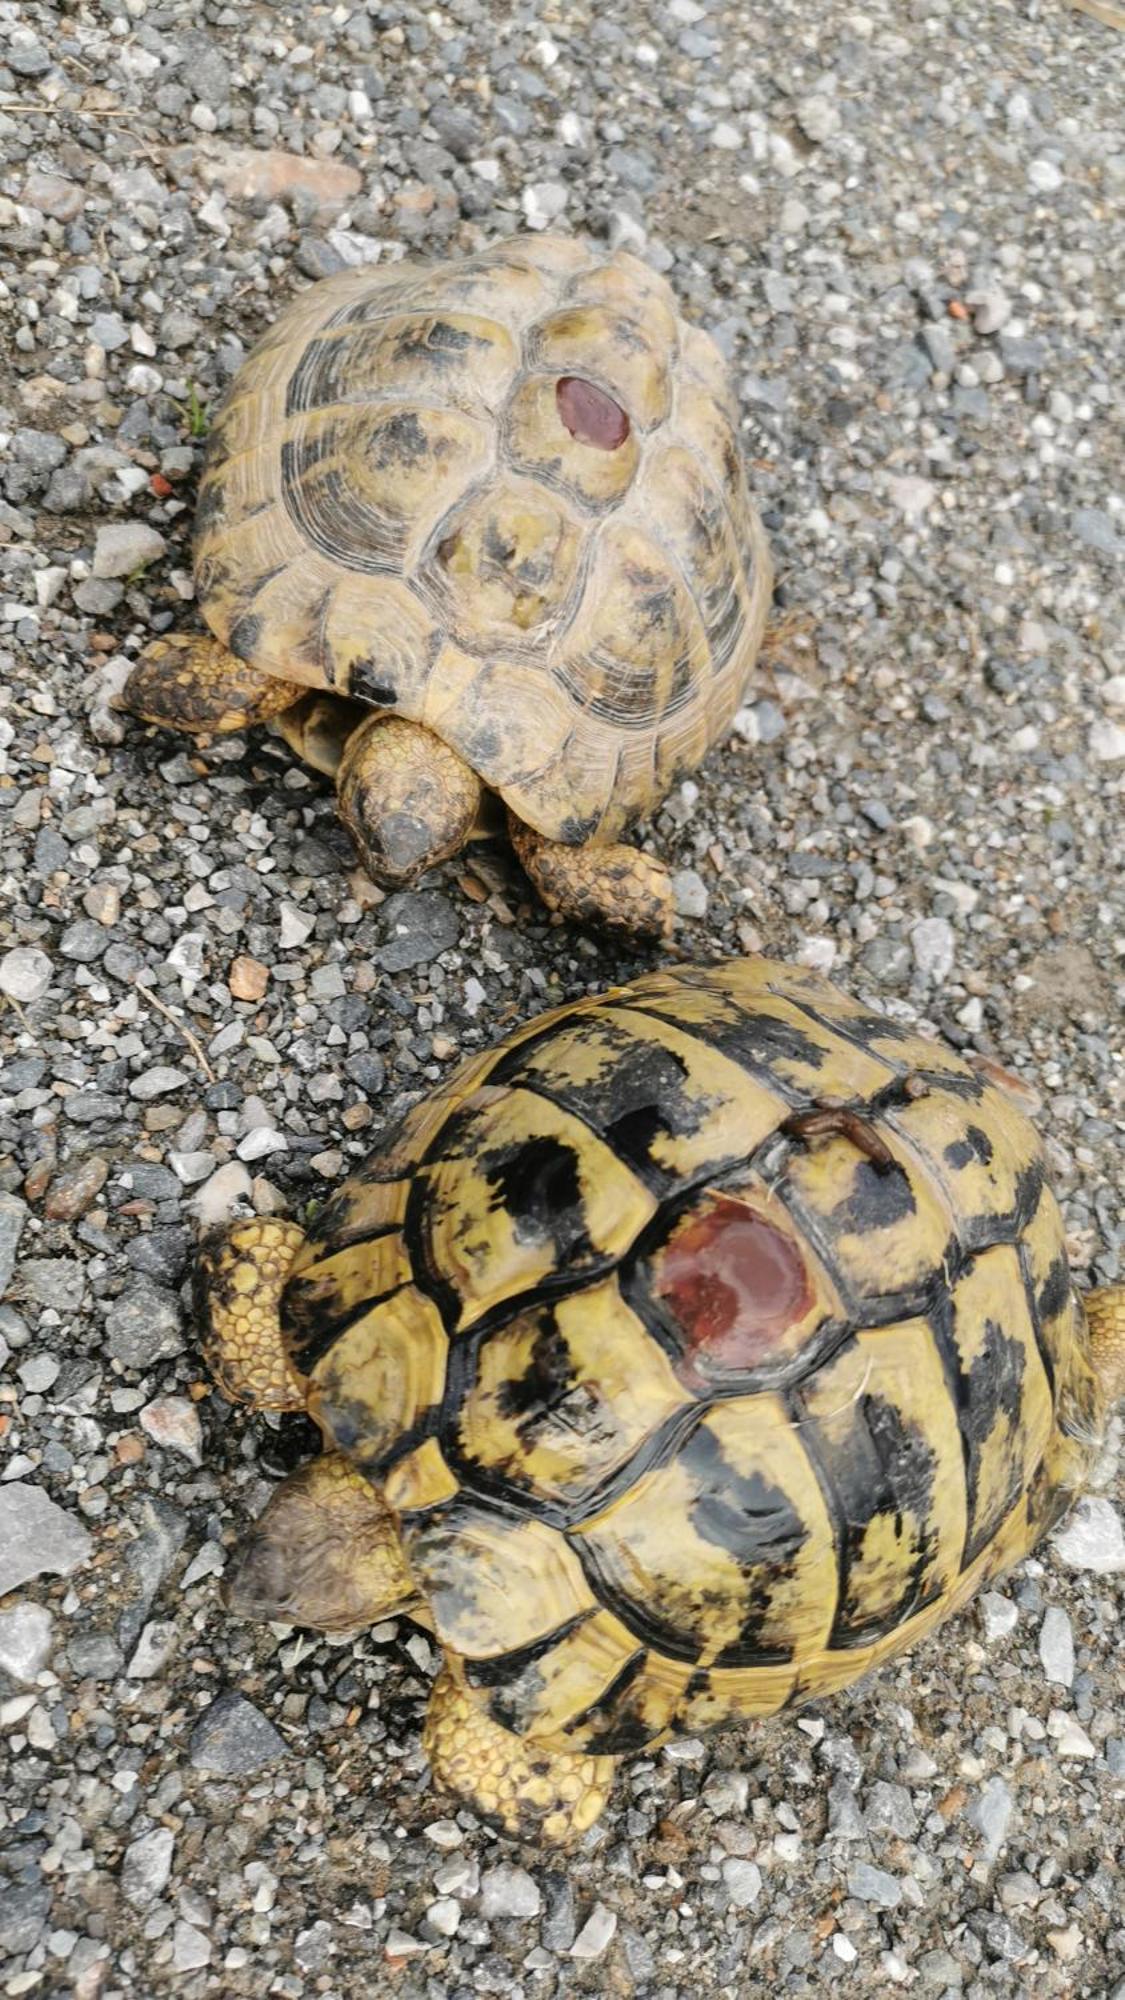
(547,1797)
(406,798)
(617,887)
(240,1274)
(188,681)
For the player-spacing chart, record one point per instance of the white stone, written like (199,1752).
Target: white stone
(689,893)
(743,1881)
(596,1933)
(1093,1538)
(726,137)
(125,546)
(147,1866)
(508,1891)
(173,1423)
(1056,1646)
(219,1197)
(911,494)
(444,1915)
(48,583)
(1044,176)
(296,926)
(152,1652)
(543,202)
(817,117)
(262,1141)
(933,942)
(25,1641)
(1112,691)
(1107,741)
(25,974)
(992,308)
(1071,1739)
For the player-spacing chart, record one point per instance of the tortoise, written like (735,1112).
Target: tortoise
(477,536)
(684,1357)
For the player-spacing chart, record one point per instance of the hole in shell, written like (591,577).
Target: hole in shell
(590,415)
(735,1282)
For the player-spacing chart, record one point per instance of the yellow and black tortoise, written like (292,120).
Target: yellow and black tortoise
(689,1354)
(494,513)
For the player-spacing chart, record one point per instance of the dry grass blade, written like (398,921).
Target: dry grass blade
(1102,10)
(181,1028)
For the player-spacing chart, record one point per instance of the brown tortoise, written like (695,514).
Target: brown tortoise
(683,1358)
(475,533)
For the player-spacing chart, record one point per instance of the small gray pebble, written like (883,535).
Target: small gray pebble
(874,1885)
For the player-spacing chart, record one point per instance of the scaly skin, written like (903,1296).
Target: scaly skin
(239,1280)
(538,1795)
(616,887)
(1105,1311)
(190,682)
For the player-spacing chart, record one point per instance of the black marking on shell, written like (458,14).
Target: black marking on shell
(1036,1314)
(505,1669)
(640,1100)
(536,1182)
(310,1330)
(992,1388)
(755,1041)
(976,1145)
(752,1520)
(244,636)
(884,1466)
(1056,1289)
(879,1198)
(365,684)
(611,1726)
(511,1489)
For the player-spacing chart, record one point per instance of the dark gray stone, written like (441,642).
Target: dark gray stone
(232,1738)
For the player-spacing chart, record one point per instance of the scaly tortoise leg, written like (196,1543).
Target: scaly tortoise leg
(1105,1314)
(188,681)
(239,1277)
(406,798)
(616,887)
(543,1796)
(325,1553)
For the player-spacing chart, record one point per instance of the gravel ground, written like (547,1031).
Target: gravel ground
(904,225)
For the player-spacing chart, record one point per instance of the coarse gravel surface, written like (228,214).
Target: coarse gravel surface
(904,225)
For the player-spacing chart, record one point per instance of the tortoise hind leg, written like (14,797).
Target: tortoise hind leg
(239,1278)
(406,798)
(617,887)
(325,1553)
(1105,1311)
(535,1794)
(188,681)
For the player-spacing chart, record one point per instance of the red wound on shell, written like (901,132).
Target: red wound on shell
(735,1283)
(590,415)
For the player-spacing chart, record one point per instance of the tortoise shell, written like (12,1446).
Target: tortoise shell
(691,1401)
(502,497)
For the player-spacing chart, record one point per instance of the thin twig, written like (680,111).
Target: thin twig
(182,1029)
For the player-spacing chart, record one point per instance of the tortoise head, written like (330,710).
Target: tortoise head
(325,1553)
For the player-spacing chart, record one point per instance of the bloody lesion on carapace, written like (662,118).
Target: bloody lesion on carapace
(734,1284)
(590,414)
